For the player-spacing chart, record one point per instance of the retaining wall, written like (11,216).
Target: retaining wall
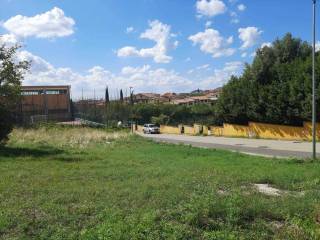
(252,130)
(169,129)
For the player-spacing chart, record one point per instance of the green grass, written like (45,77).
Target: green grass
(80,183)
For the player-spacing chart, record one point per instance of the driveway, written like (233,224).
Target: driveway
(261,147)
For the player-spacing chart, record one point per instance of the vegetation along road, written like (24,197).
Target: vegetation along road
(262,147)
(71,183)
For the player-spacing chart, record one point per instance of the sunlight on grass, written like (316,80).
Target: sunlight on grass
(70,183)
(61,137)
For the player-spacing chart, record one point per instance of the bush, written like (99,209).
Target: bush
(5,124)
(11,75)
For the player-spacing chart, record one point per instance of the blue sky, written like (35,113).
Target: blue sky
(151,45)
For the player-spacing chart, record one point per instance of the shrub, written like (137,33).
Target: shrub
(5,124)
(11,75)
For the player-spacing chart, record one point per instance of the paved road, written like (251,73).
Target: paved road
(263,147)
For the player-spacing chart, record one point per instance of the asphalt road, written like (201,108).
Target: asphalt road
(261,147)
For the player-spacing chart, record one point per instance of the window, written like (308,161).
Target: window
(39,92)
(56,91)
(30,92)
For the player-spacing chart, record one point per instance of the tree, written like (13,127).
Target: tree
(161,119)
(121,95)
(107,95)
(275,88)
(131,98)
(11,75)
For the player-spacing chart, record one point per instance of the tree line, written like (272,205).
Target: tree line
(142,113)
(276,88)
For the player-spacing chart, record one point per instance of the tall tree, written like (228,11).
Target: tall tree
(275,88)
(107,95)
(131,98)
(121,95)
(11,75)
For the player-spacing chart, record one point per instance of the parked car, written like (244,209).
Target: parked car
(151,128)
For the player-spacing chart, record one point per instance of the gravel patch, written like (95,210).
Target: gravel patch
(268,190)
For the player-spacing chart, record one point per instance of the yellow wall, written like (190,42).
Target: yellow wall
(308,128)
(189,130)
(266,131)
(273,131)
(252,130)
(169,129)
(197,129)
(205,130)
(232,130)
(216,131)
(140,128)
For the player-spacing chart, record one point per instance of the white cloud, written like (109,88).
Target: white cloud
(242,7)
(50,24)
(222,76)
(233,14)
(317,46)
(142,78)
(131,70)
(249,36)
(234,17)
(159,33)
(208,24)
(266,44)
(200,69)
(38,64)
(188,59)
(243,55)
(235,20)
(233,1)
(204,67)
(176,44)
(212,42)
(128,51)
(210,8)
(129,29)
(8,39)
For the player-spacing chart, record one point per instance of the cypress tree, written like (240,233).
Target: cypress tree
(121,95)
(107,95)
(131,98)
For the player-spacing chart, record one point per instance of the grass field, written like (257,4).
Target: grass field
(80,183)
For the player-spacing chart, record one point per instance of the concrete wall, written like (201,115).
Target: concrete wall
(271,131)
(198,129)
(216,131)
(233,130)
(266,131)
(189,130)
(169,129)
(205,130)
(252,130)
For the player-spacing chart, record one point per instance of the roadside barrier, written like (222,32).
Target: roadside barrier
(252,130)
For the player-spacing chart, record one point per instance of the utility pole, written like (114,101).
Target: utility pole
(314,115)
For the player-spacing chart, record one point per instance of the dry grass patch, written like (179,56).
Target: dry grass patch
(65,137)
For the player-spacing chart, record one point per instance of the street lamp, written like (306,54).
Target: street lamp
(314,117)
